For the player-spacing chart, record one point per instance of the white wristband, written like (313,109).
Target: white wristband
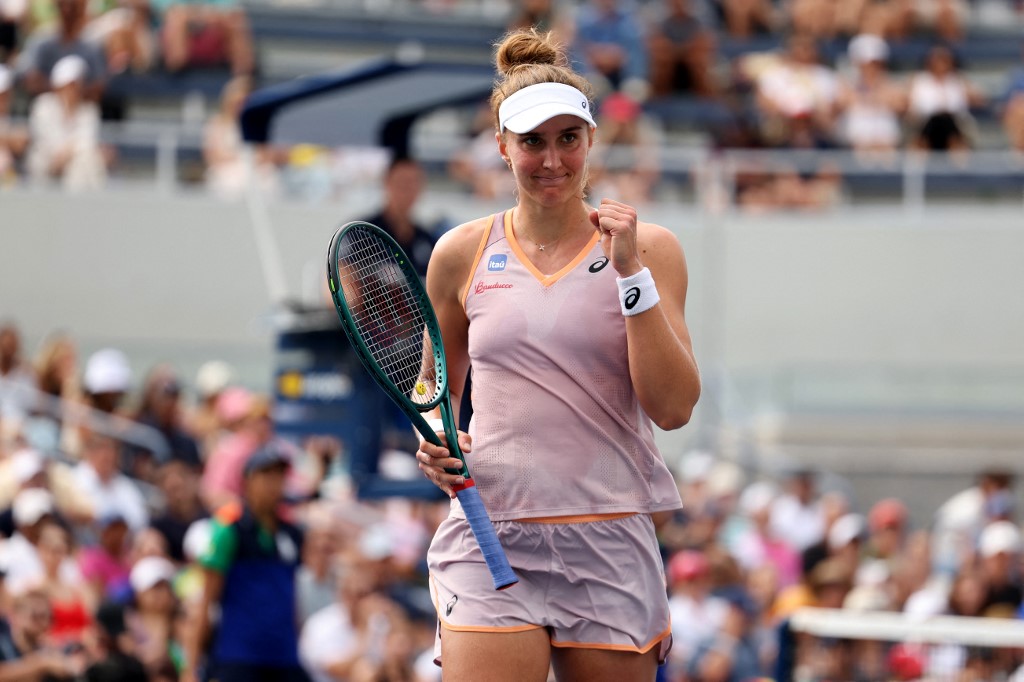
(637,293)
(436,424)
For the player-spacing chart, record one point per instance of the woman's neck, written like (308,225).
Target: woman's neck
(546,224)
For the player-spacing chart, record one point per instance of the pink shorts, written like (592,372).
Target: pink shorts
(597,584)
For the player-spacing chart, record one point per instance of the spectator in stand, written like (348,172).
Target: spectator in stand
(871,103)
(940,102)
(13,138)
(624,158)
(250,569)
(56,366)
(611,49)
(362,635)
(161,409)
(212,379)
(33,510)
(17,380)
(114,657)
(150,617)
(403,186)
(999,550)
(745,18)
(960,520)
(544,15)
(796,97)
(683,52)
(124,30)
(317,577)
(205,33)
(798,515)
(71,602)
(478,165)
(887,527)
(24,650)
(1012,112)
(943,19)
(227,172)
(65,132)
(111,492)
(846,540)
(107,379)
(28,469)
(13,15)
(44,49)
(730,653)
(105,565)
(761,544)
(696,613)
(247,419)
(178,481)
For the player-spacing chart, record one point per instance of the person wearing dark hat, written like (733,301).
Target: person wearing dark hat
(249,572)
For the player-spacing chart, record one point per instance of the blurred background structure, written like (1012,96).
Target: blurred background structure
(847,179)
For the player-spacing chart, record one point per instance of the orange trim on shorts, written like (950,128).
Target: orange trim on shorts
(578,518)
(546,280)
(476,260)
(616,647)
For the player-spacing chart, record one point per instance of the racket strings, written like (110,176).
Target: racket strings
(387,314)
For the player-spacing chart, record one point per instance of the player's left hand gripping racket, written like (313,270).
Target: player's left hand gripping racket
(387,316)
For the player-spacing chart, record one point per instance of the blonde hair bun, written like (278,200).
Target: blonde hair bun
(528,47)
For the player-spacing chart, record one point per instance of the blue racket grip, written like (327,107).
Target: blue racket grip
(483,530)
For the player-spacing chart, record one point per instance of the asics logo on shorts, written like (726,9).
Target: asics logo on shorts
(451,605)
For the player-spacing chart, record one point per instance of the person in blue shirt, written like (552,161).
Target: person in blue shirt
(610,46)
(249,571)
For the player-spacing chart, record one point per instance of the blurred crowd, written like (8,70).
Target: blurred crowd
(827,78)
(109,542)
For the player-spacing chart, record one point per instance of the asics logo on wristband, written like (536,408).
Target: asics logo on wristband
(631,298)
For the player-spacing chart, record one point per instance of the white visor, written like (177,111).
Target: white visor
(526,109)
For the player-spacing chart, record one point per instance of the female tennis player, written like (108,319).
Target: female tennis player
(571,317)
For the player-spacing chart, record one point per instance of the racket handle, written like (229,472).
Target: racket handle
(483,530)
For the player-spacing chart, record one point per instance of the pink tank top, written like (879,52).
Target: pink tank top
(557,428)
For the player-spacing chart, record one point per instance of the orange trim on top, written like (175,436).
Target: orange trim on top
(476,260)
(616,647)
(579,518)
(546,280)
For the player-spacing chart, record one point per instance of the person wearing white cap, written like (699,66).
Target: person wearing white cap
(572,314)
(999,548)
(871,104)
(44,49)
(153,609)
(65,131)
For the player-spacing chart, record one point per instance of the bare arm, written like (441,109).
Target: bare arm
(447,273)
(661,361)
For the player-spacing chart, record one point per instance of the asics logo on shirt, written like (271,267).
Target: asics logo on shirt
(598,265)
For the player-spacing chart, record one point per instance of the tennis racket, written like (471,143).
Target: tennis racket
(387,316)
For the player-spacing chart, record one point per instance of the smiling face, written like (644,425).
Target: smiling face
(550,161)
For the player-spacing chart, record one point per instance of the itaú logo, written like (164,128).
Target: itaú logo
(481,287)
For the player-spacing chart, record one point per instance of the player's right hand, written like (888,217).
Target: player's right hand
(434,459)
